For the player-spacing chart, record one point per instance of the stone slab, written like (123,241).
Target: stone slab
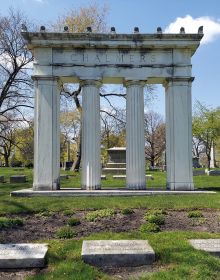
(64,176)
(2,179)
(103,177)
(104,192)
(18,179)
(209,245)
(148,177)
(199,172)
(214,173)
(120,170)
(22,255)
(117,253)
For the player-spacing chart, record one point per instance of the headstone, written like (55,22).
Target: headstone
(18,179)
(214,173)
(209,245)
(64,176)
(2,179)
(108,253)
(68,165)
(198,172)
(103,177)
(22,255)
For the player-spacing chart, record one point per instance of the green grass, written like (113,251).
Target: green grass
(9,222)
(195,214)
(73,222)
(175,258)
(99,214)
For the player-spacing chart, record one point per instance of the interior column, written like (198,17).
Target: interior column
(46,134)
(179,134)
(91,140)
(135,142)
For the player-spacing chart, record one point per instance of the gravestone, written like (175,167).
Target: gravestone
(64,176)
(18,179)
(211,246)
(198,172)
(214,173)
(118,253)
(22,255)
(2,179)
(116,161)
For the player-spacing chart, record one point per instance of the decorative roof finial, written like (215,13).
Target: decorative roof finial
(42,28)
(159,30)
(66,29)
(200,30)
(113,31)
(89,29)
(136,30)
(23,28)
(182,30)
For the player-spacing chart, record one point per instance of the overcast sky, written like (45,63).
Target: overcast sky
(148,15)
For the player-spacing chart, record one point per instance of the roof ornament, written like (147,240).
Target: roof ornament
(136,30)
(200,30)
(182,30)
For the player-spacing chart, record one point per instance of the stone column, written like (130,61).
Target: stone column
(91,140)
(179,134)
(46,134)
(135,147)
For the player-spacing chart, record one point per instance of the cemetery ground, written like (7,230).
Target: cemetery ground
(166,221)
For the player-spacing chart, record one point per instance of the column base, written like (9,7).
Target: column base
(133,187)
(88,188)
(46,187)
(180,186)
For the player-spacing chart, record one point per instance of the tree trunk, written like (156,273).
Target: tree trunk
(76,164)
(6,158)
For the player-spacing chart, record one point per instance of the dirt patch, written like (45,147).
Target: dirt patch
(37,227)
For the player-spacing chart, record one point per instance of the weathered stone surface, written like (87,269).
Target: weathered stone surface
(22,255)
(117,252)
(103,177)
(198,172)
(148,177)
(214,173)
(209,245)
(64,176)
(18,179)
(2,179)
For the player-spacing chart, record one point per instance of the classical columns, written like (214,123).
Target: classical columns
(135,150)
(91,164)
(179,134)
(46,134)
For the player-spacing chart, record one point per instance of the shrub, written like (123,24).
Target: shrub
(65,233)
(93,216)
(73,222)
(127,211)
(149,227)
(155,219)
(9,222)
(195,214)
(68,212)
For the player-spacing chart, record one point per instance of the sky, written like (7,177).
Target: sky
(148,15)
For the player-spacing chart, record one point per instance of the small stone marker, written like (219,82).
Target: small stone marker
(22,255)
(148,177)
(18,179)
(214,173)
(198,172)
(64,176)
(2,179)
(211,246)
(108,253)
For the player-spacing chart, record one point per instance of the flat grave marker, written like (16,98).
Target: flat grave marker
(22,255)
(119,253)
(211,246)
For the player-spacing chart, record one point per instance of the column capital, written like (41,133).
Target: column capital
(45,78)
(91,82)
(128,83)
(179,80)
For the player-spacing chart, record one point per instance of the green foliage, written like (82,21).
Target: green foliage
(9,222)
(195,214)
(73,222)
(98,214)
(65,233)
(127,211)
(149,227)
(68,212)
(155,216)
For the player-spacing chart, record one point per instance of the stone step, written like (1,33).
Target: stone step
(115,165)
(117,253)
(114,170)
(148,177)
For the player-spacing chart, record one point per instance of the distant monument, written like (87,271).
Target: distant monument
(116,161)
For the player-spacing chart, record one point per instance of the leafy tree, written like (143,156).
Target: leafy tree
(206,127)
(155,139)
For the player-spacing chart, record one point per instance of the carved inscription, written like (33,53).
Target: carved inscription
(112,57)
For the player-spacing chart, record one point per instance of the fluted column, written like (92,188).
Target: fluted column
(179,134)
(91,163)
(135,144)
(46,134)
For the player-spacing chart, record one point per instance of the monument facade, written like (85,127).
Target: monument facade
(130,59)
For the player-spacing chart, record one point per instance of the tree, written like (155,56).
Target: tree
(206,127)
(155,139)
(15,81)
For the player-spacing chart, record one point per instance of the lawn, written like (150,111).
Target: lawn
(175,258)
